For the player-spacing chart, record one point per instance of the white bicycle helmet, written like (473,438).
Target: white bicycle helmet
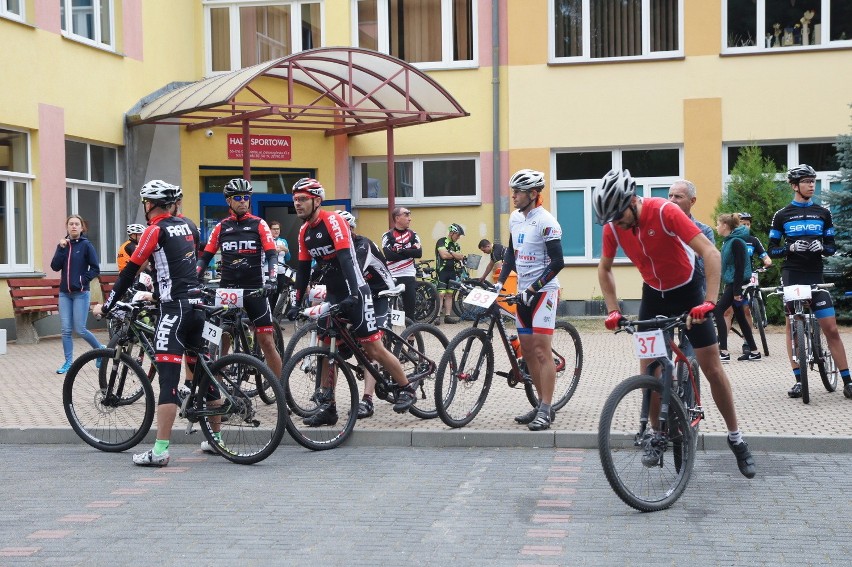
(237,186)
(527,180)
(135,229)
(801,171)
(159,191)
(348,217)
(310,186)
(613,195)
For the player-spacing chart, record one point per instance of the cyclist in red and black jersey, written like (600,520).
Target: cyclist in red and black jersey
(326,238)
(248,258)
(663,243)
(169,244)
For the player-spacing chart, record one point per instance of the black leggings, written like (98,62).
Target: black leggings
(408,296)
(727,300)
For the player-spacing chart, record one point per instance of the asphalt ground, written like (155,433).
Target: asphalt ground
(32,411)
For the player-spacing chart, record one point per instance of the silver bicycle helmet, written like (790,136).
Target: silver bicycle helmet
(348,217)
(135,229)
(527,180)
(613,195)
(310,186)
(237,186)
(159,191)
(801,171)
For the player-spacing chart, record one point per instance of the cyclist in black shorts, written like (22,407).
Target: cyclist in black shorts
(169,244)
(448,263)
(326,238)
(808,234)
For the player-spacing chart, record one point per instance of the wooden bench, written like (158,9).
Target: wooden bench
(107,281)
(32,299)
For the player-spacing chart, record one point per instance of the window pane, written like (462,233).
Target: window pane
(451,178)
(76,160)
(415,30)
(220,39)
(616,28)
(83,18)
(664,21)
(462,30)
(22,223)
(742,23)
(659,191)
(822,157)
(569,27)
(778,154)
(571,214)
(583,165)
(841,20)
(374,179)
(311,26)
(106,19)
(784,22)
(110,240)
(14,6)
(88,207)
(651,163)
(368,25)
(264,34)
(4,214)
(103,164)
(14,150)
(62,15)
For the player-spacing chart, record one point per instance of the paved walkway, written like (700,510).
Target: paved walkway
(32,410)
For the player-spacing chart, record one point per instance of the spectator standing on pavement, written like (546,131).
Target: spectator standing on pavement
(448,258)
(401,246)
(808,233)
(682,193)
(535,253)
(495,253)
(77,262)
(736,272)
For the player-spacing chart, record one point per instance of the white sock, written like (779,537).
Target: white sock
(735,437)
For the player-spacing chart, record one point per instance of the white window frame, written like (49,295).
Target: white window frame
(382,8)
(10,178)
(418,198)
(588,185)
(5,12)
(825,25)
(68,26)
(107,264)
(587,37)
(234,24)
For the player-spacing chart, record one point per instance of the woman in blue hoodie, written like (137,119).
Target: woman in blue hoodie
(736,271)
(77,261)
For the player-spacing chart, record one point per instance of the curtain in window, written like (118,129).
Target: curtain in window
(220,39)
(311,36)
(616,28)
(415,30)
(264,34)
(106,18)
(569,28)
(462,30)
(664,35)
(368,24)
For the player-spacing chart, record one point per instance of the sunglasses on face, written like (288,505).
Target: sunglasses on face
(807,181)
(619,216)
(301,199)
(240,198)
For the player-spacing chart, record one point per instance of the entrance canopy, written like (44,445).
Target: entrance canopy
(356,91)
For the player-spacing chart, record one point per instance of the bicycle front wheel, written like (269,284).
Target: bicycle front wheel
(800,350)
(323,417)
(463,378)
(426,302)
(431,342)
(114,416)
(465,311)
(252,430)
(828,371)
(648,472)
(567,349)
(134,349)
(758,316)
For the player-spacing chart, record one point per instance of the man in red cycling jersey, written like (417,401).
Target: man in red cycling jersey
(664,243)
(326,238)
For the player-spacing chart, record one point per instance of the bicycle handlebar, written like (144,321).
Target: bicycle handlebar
(779,290)
(664,323)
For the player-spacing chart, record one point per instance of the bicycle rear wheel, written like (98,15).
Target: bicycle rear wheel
(304,337)
(300,377)
(465,311)
(689,395)
(114,416)
(463,378)
(800,350)
(623,445)
(430,341)
(758,316)
(252,430)
(568,357)
(426,302)
(828,371)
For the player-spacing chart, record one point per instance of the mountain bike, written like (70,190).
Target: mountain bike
(648,429)
(111,407)
(325,365)
(753,296)
(808,347)
(427,300)
(464,375)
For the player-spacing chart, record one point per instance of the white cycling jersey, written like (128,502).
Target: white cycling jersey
(530,235)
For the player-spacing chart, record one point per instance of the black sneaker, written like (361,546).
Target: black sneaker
(652,447)
(527,418)
(541,422)
(327,415)
(847,390)
(725,356)
(365,409)
(744,459)
(450,320)
(750,356)
(406,398)
(796,391)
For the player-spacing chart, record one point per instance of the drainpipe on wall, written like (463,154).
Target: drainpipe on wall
(495,114)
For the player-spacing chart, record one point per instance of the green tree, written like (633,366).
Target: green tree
(840,202)
(756,189)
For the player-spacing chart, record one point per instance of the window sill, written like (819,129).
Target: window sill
(745,51)
(88,43)
(20,21)
(610,60)
(409,201)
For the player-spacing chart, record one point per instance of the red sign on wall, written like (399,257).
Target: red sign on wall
(260,147)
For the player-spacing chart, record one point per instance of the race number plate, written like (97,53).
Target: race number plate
(650,344)
(226,297)
(287,272)
(480,297)
(212,333)
(397,318)
(753,280)
(795,292)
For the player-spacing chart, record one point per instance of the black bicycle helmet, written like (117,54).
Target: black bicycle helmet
(613,195)
(456,228)
(237,186)
(745,216)
(801,171)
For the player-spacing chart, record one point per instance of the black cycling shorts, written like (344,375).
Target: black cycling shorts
(444,278)
(257,309)
(179,327)
(676,302)
(361,316)
(821,303)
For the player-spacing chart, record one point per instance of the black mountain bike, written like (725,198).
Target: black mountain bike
(753,295)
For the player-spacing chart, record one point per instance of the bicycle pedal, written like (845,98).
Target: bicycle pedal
(190,429)
(502,374)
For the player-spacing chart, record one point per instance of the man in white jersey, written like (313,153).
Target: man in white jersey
(535,253)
